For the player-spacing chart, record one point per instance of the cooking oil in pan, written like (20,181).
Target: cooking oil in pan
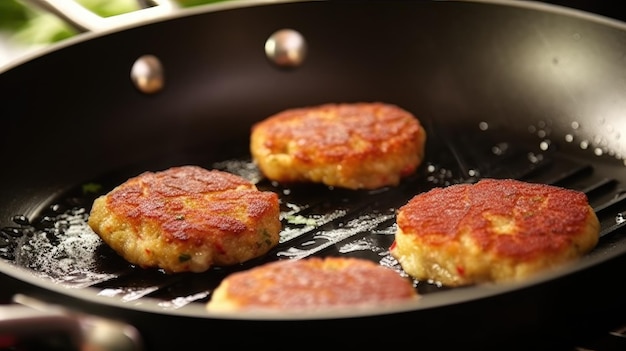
(60,247)
(324,238)
(317,220)
(620,218)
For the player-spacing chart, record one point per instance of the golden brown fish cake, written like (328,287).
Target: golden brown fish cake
(312,284)
(492,231)
(349,145)
(187,219)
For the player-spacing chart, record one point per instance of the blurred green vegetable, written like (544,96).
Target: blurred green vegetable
(12,15)
(29,25)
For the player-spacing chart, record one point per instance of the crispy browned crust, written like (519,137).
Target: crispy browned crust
(350,145)
(311,284)
(494,230)
(187,219)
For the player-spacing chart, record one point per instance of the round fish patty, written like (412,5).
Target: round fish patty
(492,231)
(311,284)
(187,219)
(349,145)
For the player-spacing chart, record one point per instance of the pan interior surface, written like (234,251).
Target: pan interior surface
(519,96)
(58,246)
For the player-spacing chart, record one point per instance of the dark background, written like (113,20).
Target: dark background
(602,7)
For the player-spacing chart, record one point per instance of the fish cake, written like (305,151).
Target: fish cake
(349,145)
(311,284)
(492,231)
(187,219)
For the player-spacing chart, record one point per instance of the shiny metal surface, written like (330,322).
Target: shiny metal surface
(147,74)
(83,20)
(32,323)
(286,48)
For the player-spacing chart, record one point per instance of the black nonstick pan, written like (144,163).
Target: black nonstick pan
(505,89)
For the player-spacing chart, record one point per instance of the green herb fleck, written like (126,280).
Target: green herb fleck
(91,188)
(184,257)
(266,239)
(299,219)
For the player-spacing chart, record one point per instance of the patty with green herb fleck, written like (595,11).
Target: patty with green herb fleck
(187,219)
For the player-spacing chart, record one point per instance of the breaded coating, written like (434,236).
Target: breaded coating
(187,219)
(493,231)
(348,145)
(311,284)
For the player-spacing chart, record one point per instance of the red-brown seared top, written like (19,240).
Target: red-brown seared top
(190,202)
(336,131)
(507,217)
(315,283)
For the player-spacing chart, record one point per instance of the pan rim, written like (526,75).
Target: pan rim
(425,302)
(440,299)
(41,51)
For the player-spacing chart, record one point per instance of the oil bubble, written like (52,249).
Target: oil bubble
(535,158)
(584,144)
(499,149)
(620,218)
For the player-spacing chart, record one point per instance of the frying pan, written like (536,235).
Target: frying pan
(505,89)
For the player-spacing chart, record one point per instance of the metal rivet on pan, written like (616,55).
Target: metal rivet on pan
(147,74)
(286,48)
